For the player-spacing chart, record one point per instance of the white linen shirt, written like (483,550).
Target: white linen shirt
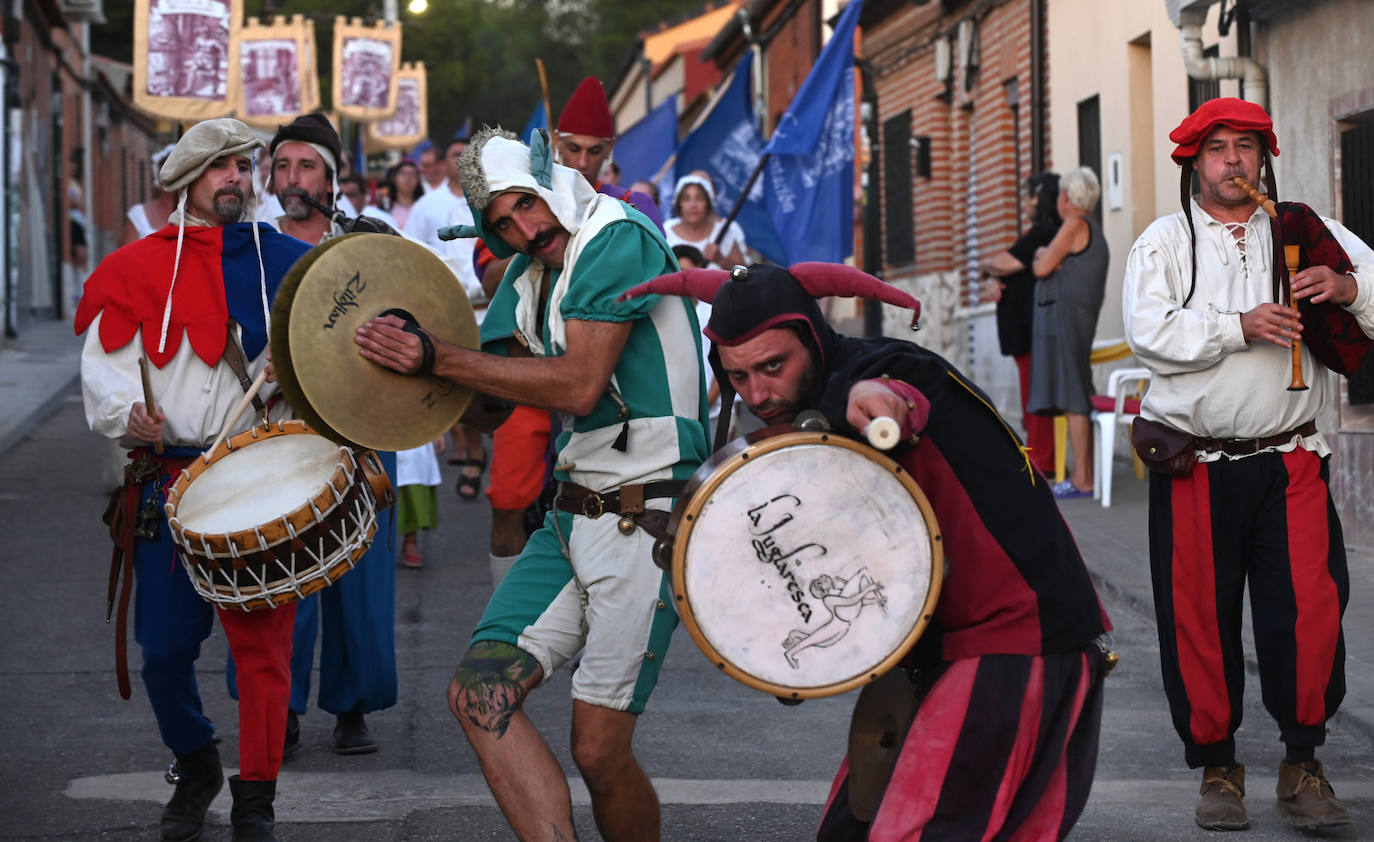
(1206,380)
(195,398)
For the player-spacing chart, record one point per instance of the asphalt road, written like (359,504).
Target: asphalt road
(729,763)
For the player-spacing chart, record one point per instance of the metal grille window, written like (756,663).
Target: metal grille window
(1357,204)
(899,227)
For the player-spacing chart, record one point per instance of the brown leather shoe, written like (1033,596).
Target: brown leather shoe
(1220,807)
(1306,796)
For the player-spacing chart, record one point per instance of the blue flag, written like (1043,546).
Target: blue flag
(810,193)
(728,146)
(538,120)
(643,149)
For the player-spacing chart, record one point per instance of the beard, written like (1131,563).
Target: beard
(228,204)
(292,205)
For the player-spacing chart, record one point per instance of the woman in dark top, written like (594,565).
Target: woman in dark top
(1014,291)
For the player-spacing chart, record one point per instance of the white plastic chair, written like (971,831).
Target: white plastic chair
(1104,447)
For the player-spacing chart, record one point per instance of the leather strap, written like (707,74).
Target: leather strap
(238,362)
(626,500)
(141,469)
(1245,447)
(412,326)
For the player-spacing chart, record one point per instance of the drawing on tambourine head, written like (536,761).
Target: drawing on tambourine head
(844,599)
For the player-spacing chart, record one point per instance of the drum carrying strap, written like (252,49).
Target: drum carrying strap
(238,362)
(122,516)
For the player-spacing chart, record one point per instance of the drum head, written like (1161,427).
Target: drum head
(254,485)
(326,296)
(806,564)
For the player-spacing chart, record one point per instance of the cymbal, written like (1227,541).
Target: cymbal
(327,295)
(877,729)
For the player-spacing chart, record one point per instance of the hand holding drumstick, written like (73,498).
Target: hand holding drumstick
(880,413)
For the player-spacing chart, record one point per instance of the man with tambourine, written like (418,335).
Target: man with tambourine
(1216,299)
(1015,630)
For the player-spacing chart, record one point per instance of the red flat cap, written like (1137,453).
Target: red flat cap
(1228,111)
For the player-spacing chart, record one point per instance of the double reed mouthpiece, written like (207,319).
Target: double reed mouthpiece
(1292,255)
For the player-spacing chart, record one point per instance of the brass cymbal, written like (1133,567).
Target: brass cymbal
(327,295)
(877,729)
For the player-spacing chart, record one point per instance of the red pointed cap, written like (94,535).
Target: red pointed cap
(1226,111)
(588,112)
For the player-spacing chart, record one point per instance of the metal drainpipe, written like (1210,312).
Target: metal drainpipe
(1249,71)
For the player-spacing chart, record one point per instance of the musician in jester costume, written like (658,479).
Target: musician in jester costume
(1009,672)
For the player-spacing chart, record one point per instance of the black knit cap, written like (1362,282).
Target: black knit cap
(309,128)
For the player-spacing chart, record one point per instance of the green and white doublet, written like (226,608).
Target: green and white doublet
(580,581)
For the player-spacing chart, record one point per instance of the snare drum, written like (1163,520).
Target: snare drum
(804,563)
(275,514)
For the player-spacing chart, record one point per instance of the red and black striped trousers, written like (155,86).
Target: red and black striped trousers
(1266,520)
(1003,747)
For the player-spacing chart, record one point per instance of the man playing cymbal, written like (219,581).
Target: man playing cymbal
(627,380)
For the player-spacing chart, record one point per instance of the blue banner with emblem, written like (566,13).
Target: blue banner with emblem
(728,146)
(810,170)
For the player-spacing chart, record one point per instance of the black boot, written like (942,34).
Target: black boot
(252,814)
(351,735)
(201,780)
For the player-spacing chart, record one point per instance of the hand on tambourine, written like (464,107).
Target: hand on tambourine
(271,371)
(1272,323)
(1322,283)
(143,426)
(385,341)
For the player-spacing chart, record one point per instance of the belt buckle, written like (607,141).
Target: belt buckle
(593,506)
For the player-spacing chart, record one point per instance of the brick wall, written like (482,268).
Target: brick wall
(789,55)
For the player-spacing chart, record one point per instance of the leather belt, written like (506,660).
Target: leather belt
(628,499)
(1245,447)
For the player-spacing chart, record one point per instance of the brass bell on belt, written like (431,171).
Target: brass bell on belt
(626,526)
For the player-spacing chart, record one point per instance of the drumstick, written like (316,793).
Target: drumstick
(238,410)
(883,432)
(148,397)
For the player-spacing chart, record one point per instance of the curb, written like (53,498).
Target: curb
(16,432)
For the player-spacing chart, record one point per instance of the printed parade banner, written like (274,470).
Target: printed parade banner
(185,68)
(409,125)
(278,71)
(367,62)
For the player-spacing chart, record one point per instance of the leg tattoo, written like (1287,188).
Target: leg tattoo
(490,680)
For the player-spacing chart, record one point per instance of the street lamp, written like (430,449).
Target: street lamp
(417,7)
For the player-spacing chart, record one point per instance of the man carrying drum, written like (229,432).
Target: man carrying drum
(627,378)
(1014,632)
(166,299)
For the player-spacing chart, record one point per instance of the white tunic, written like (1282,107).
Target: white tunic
(195,398)
(1206,379)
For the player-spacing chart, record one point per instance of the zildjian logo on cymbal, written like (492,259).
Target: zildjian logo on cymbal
(345,298)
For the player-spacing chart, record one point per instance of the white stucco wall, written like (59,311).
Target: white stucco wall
(1100,47)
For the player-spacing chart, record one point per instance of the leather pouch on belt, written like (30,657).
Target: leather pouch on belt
(1163,449)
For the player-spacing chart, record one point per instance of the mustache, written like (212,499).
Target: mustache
(543,238)
(229,191)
